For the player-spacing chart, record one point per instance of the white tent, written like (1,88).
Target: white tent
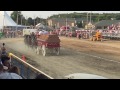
(6,20)
(40,25)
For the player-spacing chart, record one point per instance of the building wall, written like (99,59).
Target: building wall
(64,23)
(60,23)
(49,22)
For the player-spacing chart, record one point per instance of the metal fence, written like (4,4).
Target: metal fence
(111,35)
(27,71)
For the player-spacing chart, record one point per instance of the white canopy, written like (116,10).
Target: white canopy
(40,25)
(6,20)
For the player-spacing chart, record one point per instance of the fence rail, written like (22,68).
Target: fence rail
(27,71)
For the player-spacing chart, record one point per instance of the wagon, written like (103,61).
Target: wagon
(52,45)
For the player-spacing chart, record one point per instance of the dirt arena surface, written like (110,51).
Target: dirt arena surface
(76,56)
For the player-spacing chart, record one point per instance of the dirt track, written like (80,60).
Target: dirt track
(77,56)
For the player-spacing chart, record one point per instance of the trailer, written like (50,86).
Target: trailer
(48,44)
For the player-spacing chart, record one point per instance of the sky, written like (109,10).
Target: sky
(46,14)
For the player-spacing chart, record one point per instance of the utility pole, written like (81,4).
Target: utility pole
(46,21)
(34,20)
(58,25)
(90,16)
(75,22)
(26,21)
(87,17)
(40,19)
(21,19)
(17,17)
(37,20)
(17,21)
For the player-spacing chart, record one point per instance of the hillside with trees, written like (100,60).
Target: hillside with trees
(94,16)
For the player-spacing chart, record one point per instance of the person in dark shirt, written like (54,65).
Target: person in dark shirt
(8,75)
(15,69)
(5,61)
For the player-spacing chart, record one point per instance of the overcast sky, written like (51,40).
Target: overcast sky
(45,14)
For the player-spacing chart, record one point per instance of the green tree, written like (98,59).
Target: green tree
(23,21)
(17,17)
(30,21)
(118,16)
(79,24)
(14,15)
(37,20)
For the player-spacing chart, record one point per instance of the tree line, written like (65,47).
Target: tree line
(95,17)
(20,19)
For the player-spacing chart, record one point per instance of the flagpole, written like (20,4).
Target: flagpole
(3,20)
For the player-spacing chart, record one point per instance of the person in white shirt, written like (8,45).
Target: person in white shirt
(40,32)
(7,75)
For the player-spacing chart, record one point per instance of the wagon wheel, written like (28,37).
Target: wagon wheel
(43,50)
(57,51)
(38,50)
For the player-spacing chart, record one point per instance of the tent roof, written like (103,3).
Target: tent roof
(4,17)
(40,25)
